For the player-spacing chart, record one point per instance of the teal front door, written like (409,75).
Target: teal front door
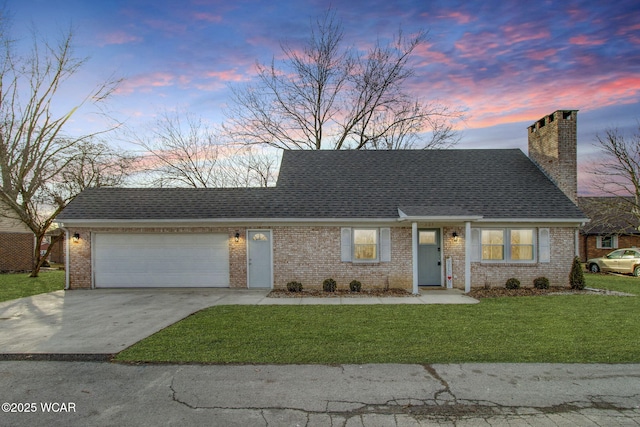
(429,258)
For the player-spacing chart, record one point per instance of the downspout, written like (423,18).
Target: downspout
(414,252)
(467,257)
(66,257)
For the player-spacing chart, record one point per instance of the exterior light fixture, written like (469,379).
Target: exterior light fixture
(237,236)
(455,236)
(76,237)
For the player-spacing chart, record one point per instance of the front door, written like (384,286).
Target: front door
(429,258)
(259,259)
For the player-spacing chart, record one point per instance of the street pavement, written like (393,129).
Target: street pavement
(110,394)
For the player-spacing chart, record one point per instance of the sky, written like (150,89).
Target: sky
(507,63)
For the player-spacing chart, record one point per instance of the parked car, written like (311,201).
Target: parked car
(620,261)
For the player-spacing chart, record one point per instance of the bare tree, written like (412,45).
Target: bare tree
(181,150)
(253,167)
(329,96)
(35,152)
(618,173)
(184,151)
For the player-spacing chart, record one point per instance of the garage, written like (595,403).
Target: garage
(160,260)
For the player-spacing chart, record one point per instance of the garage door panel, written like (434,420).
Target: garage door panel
(161,260)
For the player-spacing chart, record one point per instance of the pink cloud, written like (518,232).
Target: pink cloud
(146,83)
(227,76)
(478,45)
(506,105)
(459,17)
(583,40)
(542,55)
(208,17)
(118,37)
(523,32)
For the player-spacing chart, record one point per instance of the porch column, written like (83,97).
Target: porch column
(414,253)
(467,256)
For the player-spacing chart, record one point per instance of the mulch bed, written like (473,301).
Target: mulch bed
(475,293)
(319,293)
(523,292)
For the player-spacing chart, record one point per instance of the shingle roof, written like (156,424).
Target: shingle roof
(609,215)
(494,184)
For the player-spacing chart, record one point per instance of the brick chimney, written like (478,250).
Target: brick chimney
(553,145)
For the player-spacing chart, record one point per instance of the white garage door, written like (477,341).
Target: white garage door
(161,260)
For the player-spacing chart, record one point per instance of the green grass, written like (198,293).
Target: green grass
(570,329)
(14,286)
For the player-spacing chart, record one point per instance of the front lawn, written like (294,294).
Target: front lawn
(14,286)
(554,329)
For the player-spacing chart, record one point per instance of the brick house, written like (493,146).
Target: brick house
(612,226)
(17,245)
(402,218)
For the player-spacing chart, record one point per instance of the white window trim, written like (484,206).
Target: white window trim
(383,245)
(614,242)
(507,246)
(353,246)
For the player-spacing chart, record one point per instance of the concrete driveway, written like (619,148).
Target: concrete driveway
(87,323)
(102,321)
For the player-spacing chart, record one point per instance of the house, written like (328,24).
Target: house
(612,226)
(403,219)
(17,246)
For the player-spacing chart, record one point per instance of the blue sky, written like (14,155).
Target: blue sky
(507,63)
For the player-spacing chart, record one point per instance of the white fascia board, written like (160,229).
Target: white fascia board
(579,221)
(439,218)
(221,221)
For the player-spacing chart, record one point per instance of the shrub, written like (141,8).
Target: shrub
(355,286)
(329,285)
(512,283)
(294,287)
(541,283)
(576,277)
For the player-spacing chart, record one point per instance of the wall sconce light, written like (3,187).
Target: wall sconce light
(237,236)
(455,236)
(76,237)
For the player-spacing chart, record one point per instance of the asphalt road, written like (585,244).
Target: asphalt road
(107,394)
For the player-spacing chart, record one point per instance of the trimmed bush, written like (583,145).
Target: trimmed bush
(576,277)
(541,283)
(355,286)
(512,283)
(329,285)
(294,287)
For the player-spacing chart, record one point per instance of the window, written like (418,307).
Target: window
(522,245)
(427,237)
(260,236)
(607,242)
(492,245)
(365,244)
(508,245)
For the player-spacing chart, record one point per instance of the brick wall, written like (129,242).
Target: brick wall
(589,249)
(553,147)
(557,271)
(80,252)
(16,252)
(312,254)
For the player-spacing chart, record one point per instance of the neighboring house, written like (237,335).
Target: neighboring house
(612,226)
(17,246)
(403,219)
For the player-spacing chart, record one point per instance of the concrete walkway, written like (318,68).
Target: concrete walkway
(106,321)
